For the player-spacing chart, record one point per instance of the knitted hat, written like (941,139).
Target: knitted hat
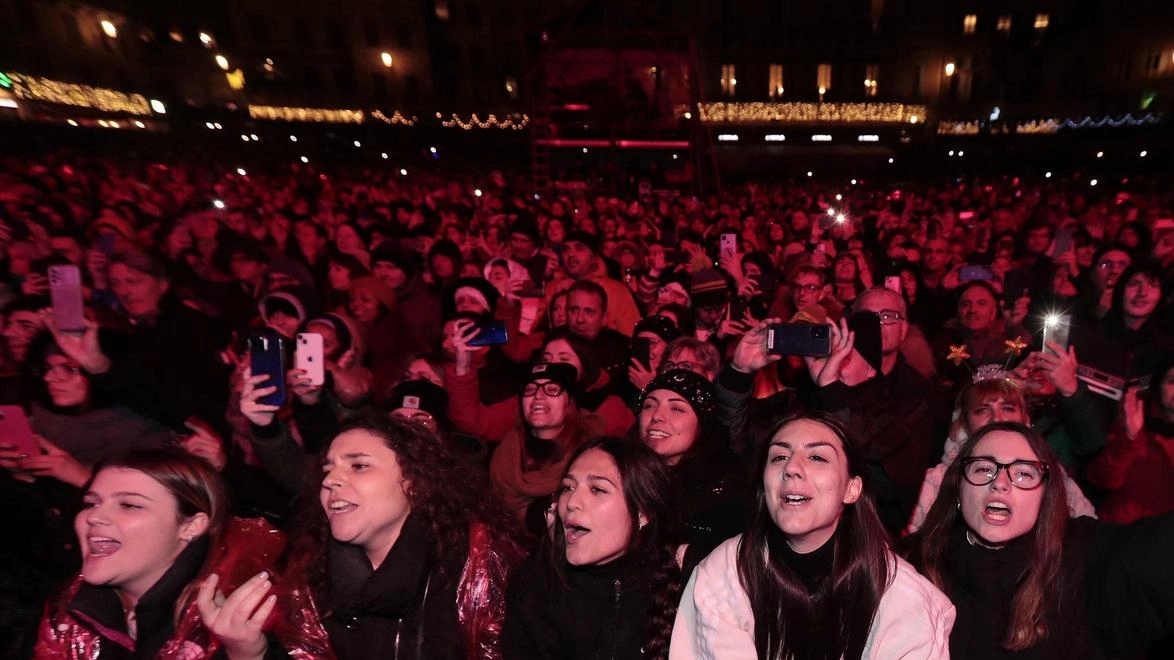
(479,288)
(709,288)
(563,374)
(694,388)
(661,326)
(580,236)
(376,287)
(282,300)
(421,395)
(392,253)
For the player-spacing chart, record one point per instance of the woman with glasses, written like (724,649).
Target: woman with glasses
(1027,580)
(530,460)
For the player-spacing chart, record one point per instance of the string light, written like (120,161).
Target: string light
(1037,127)
(795,112)
(316,115)
(35,88)
(396,118)
(513,122)
(958,128)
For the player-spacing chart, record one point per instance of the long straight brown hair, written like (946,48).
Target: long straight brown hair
(834,622)
(1040,584)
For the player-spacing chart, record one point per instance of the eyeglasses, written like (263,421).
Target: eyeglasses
(806,288)
(549,388)
(1024,475)
(890,316)
(686,365)
(1117,264)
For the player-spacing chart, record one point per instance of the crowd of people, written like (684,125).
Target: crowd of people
(790,420)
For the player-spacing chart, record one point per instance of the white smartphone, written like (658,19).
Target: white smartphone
(308,356)
(729,243)
(1056,331)
(65,289)
(893,283)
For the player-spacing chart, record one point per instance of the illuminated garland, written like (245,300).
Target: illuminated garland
(1127,120)
(34,88)
(958,128)
(316,115)
(395,118)
(509,123)
(1037,127)
(838,113)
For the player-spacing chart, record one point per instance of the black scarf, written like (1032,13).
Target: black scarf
(395,589)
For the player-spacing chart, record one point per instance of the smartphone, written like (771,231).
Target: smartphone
(15,431)
(490,333)
(267,356)
(1063,242)
(642,351)
(893,283)
(866,327)
(972,273)
(799,339)
(65,288)
(729,243)
(308,356)
(738,305)
(1056,331)
(530,290)
(966,215)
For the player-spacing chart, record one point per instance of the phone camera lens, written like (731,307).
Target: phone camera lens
(820,332)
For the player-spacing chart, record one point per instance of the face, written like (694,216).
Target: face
(806,483)
(597,523)
(1142,294)
(578,260)
(307,236)
(1110,267)
(421,370)
(977,308)
(687,358)
(892,334)
(806,290)
(560,350)
(544,412)
(584,313)
(1000,512)
(709,316)
(340,277)
(245,269)
(364,493)
(995,408)
(442,266)
(137,292)
(936,254)
(348,241)
(284,323)
(391,274)
(845,269)
(330,343)
(421,417)
(65,382)
(364,306)
(468,303)
(555,231)
(1167,394)
(22,326)
(521,245)
(1038,240)
(655,347)
(558,312)
(668,424)
(671,296)
(131,531)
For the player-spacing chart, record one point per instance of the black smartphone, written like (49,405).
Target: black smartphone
(642,351)
(799,339)
(866,327)
(490,333)
(267,356)
(738,306)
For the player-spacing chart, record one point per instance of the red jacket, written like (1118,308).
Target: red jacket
(1137,473)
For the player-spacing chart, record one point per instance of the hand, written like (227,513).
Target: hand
(825,371)
(1134,408)
(953,279)
(750,355)
(729,327)
(308,393)
(639,375)
(83,349)
(96,265)
(1105,303)
(463,332)
(34,284)
(238,621)
(749,288)
(57,464)
(258,413)
(205,442)
(346,360)
(1018,313)
(1059,366)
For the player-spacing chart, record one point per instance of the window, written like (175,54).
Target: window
(371,34)
(969,23)
(729,80)
(870,73)
(775,85)
(1041,21)
(824,78)
(259,28)
(1004,24)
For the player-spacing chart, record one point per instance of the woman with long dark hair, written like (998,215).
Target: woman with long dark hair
(400,549)
(1028,580)
(813,576)
(608,584)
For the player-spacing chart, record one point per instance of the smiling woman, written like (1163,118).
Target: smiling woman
(813,576)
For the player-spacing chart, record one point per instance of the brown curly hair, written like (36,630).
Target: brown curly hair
(448,493)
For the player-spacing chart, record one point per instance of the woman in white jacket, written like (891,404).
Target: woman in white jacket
(813,577)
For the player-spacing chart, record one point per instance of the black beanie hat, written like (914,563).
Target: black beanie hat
(694,388)
(563,374)
(421,395)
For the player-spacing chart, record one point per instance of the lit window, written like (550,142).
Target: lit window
(969,22)
(870,73)
(1004,24)
(1041,21)
(729,80)
(824,77)
(775,86)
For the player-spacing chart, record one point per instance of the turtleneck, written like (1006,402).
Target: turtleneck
(812,568)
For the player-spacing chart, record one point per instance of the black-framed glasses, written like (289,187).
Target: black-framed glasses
(1024,475)
(890,316)
(807,288)
(686,365)
(549,388)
